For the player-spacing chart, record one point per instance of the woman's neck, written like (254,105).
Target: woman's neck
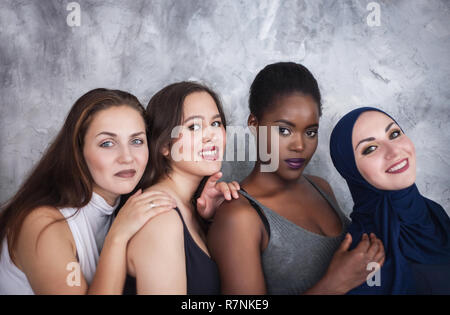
(268,183)
(183,185)
(109,197)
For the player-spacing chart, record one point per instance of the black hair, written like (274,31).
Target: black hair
(278,80)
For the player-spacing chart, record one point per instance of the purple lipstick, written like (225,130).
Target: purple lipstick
(295,163)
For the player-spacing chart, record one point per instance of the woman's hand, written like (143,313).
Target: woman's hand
(139,208)
(214,194)
(348,269)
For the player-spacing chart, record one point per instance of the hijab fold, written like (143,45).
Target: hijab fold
(413,229)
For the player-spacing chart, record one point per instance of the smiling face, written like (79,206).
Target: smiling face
(116,152)
(384,155)
(200,148)
(297,117)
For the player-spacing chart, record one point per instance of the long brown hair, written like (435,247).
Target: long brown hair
(61,178)
(164,113)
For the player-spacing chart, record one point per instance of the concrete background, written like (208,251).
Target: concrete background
(402,66)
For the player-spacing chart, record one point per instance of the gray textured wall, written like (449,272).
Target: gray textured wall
(402,66)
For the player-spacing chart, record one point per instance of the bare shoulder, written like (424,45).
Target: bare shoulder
(43,228)
(158,188)
(163,231)
(322,183)
(236,229)
(167,224)
(238,221)
(42,220)
(237,211)
(44,213)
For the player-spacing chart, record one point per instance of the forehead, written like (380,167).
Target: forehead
(117,118)
(294,107)
(199,103)
(371,123)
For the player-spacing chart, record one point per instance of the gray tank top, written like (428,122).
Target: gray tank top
(295,259)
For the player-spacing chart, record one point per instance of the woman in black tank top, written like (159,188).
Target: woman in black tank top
(187,136)
(202,275)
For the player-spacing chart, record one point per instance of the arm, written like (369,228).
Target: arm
(156,256)
(44,257)
(111,269)
(46,252)
(112,266)
(234,240)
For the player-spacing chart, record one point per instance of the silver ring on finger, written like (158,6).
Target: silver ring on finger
(152,204)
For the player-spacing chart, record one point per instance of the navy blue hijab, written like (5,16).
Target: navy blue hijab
(413,229)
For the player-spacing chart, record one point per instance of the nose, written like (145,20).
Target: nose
(209,134)
(297,143)
(125,156)
(391,151)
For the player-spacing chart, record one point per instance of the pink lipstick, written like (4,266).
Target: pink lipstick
(295,163)
(126,173)
(399,167)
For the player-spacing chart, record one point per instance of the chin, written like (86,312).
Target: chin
(290,175)
(405,184)
(396,185)
(212,171)
(124,189)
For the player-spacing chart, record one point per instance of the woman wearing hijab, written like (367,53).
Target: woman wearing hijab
(377,159)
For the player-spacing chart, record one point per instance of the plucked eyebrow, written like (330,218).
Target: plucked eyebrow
(372,138)
(364,140)
(287,122)
(388,127)
(113,135)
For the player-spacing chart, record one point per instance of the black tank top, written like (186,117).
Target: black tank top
(202,274)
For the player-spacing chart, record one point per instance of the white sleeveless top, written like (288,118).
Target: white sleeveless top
(89,228)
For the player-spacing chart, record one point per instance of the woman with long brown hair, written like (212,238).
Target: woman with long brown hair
(187,136)
(53,229)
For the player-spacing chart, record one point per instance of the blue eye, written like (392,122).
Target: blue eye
(137,141)
(217,124)
(284,131)
(106,144)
